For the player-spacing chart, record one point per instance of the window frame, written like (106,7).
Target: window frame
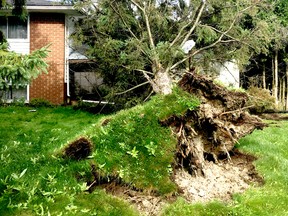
(13,40)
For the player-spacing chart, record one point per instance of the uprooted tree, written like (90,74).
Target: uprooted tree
(152,43)
(162,42)
(156,43)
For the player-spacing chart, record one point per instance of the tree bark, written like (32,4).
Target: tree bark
(286,87)
(162,82)
(283,94)
(275,78)
(264,77)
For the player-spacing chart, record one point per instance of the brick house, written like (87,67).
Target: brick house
(47,23)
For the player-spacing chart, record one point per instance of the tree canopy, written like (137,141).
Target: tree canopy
(145,39)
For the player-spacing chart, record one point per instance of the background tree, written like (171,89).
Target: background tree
(17,7)
(268,70)
(144,39)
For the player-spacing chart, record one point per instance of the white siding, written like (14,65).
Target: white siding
(19,46)
(74,52)
(229,74)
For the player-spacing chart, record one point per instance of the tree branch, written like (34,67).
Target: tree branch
(229,36)
(219,40)
(143,71)
(195,23)
(178,35)
(124,22)
(148,28)
(137,5)
(120,93)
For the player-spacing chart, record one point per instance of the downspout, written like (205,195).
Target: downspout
(67,57)
(29,41)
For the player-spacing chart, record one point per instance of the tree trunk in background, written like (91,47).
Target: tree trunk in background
(280,95)
(275,78)
(287,87)
(264,78)
(283,94)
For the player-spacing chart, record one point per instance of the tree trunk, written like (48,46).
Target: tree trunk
(286,87)
(283,94)
(275,78)
(264,78)
(280,94)
(162,83)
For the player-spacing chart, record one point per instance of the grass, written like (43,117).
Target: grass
(34,180)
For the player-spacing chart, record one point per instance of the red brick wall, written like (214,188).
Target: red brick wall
(47,28)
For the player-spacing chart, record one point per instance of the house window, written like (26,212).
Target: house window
(13,27)
(12,94)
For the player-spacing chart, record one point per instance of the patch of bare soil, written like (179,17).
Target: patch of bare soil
(221,181)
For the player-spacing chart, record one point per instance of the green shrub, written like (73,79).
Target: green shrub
(39,102)
(260,99)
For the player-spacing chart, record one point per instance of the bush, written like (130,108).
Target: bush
(39,102)
(260,99)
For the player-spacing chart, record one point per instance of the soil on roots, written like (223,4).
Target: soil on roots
(214,128)
(79,149)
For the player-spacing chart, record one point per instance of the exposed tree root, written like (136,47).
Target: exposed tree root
(214,128)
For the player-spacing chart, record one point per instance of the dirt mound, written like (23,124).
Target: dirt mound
(221,180)
(79,149)
(206,165)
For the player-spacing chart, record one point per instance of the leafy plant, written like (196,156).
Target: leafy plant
(39,102)
(17,69)
(133,152)
(260,100)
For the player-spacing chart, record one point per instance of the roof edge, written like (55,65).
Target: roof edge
(52,9)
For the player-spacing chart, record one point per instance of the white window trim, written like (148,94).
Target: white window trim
(21,40)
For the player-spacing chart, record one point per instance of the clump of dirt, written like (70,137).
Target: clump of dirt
(78,149)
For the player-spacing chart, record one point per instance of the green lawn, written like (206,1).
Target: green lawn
(34,180)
